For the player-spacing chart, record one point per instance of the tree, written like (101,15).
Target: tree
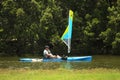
(114,23)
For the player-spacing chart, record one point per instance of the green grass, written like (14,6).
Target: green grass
(60,74)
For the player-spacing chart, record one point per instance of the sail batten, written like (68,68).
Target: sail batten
(67,35)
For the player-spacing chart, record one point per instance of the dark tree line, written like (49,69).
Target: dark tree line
(27,25)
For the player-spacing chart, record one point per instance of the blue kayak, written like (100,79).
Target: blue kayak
(68,59)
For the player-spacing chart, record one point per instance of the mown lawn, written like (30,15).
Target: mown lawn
(60,74)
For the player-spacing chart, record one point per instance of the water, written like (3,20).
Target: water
(54,65)
(110,62)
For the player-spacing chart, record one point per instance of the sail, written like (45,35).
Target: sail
(67,35)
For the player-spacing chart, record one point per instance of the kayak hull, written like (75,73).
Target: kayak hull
(69,59)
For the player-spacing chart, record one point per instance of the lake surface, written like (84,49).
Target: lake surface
(109,62)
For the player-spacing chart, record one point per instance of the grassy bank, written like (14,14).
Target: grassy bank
(60,74)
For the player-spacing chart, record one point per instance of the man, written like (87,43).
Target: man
(47,53)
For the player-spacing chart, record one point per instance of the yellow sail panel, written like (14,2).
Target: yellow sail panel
(63,36)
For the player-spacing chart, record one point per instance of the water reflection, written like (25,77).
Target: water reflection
(90,65)
(66,65)
(56,65)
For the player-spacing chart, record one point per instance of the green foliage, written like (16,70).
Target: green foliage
(116,43)
(106,36)
(27,25)
(20,12)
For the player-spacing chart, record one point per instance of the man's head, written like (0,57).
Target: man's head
(46,47)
